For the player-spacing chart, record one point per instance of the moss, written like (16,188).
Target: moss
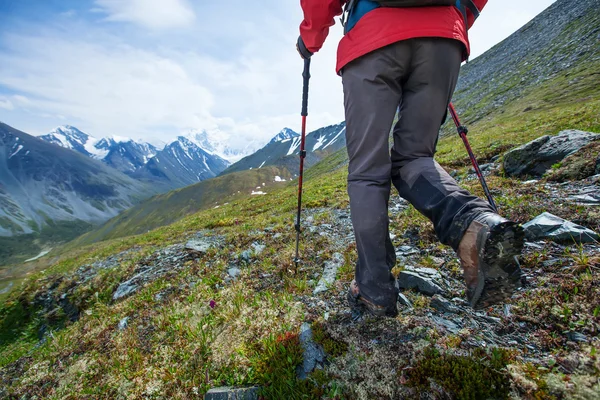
(481,375)
(274,362)
(576,166)
(332,347)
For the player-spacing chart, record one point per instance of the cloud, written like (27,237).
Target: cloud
(6,104)
(154,14)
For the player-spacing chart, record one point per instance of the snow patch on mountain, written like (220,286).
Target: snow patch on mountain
(284,136)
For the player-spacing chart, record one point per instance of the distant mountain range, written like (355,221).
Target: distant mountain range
(180,163)
(284,148)
(41,183)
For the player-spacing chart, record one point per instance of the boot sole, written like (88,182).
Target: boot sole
(500,271)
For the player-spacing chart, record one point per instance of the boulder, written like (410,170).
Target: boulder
(549,226)
(536,157)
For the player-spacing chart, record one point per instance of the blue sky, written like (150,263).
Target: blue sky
(152,69)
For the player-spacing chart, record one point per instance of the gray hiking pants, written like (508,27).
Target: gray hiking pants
(419,76)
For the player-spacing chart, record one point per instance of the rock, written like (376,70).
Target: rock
(536,157)
(438,261)
(157,265)
(597,171)
(423,284)
(427,272)
(125,289)
(329,273)
(198,245)
(234,272)
(446,324)
(246,256)
(443,305)
(314,356)
(549,226)
(406,251)
(123,323)
(231,393)
(577,337)
(258,248)
(586,199)
(402,299)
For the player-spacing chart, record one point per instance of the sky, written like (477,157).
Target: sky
(154,69)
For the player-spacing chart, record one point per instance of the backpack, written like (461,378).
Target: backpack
(349,19)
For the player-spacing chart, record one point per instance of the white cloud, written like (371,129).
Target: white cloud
(154,14)
(6,104)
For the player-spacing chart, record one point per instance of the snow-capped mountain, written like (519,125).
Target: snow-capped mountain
(217,143)
(285,135)
(69,137)
(286,145)
(119,152)
(41,183)
(182,163)
(129,156)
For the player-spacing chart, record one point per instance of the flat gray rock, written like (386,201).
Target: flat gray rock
(234,272)
(314,355)
(402,299)
(443,305)
(549,226)
(329,273)
(450,326)
(231,393)
(423,284)
(198,245)
(536,157)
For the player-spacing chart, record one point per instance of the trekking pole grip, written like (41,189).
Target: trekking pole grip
(306,77)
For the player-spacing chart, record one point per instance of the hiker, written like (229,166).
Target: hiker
(408,57)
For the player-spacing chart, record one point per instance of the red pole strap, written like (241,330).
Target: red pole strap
(462,132)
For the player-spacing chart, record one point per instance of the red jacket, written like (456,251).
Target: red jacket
(381,27)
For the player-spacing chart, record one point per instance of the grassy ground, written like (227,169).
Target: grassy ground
(193,330)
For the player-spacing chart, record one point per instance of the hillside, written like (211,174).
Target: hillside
(215,299)
(167,208)
(49,194)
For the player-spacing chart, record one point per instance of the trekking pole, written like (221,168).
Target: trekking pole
(304,114)
(462,132)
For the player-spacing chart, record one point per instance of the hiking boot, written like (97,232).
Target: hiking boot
(361,304)
(488,254)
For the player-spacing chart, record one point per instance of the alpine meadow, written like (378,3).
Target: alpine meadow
(169,270)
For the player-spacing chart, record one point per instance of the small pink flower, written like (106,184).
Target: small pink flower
(212,304)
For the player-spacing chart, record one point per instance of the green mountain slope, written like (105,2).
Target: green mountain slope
(167,208)
(50,194)
(191,323)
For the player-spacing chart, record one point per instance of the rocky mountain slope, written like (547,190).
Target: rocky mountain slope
(184,160)
(563,38)
(181,163)
(42,184)
(284,148)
